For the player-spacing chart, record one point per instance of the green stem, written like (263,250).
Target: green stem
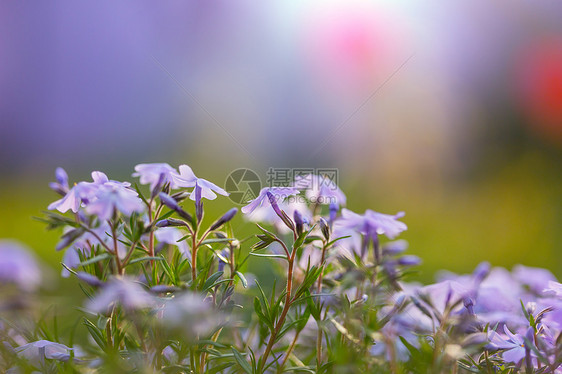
(120,269)
(289,350)
(319,288)
(281,319)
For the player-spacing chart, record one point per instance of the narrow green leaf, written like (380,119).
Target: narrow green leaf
(98,258)
(242,279)
(337,239)
(270,255)
(142,259)
(241,361)
(211,280)
(95,333)
(302,237)
(217,240)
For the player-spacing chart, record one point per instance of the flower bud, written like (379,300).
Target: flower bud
(170,222)
(325,228)
(173,205)
(168,201)
(481,271)
(224,219)
(281,214)
(394,248)
(409,260)
(61,177)
(158,185)
(69,237)
(468,304)
(58,188)
(180,196)
(224,253)
(89,279)
(297,216)
(163,288)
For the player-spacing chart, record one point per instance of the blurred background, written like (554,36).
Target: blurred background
(449,111)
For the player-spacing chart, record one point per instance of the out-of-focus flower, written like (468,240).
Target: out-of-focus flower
(114,197)
(61,184)
(514,344)
(447,293)
(381,223)
(262,200)
(123,291)
(71,258)
(351,242)
(36,352)
(90,279)
(394,248)
(171,235)
(391,345)
(18,266)
(187,178)
(539,81)
(189,313)
(554,288)
(312,256)
(536,279)
(320,189)
(155,173)
(409,260)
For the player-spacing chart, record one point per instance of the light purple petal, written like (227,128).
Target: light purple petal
(514,355)
(99,177)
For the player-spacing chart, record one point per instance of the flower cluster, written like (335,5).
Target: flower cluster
(168,290)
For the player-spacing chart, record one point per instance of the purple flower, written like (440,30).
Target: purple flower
(190,314)
(514,344)
(351,242)
(171,235)
(320,189)
(71,257)
(554,288)
(152,173)
(36,352)
(112,197)
(374,222)
(394,248)
(390,343)
(124,291)
(61,177)
(187,178)
(18,266)
(84,192)
(262,200)
(447,293)
(536,279)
